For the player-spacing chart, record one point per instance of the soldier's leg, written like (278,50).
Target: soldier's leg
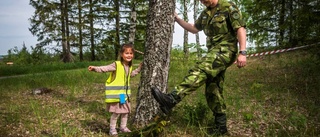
(214,94)
(210,66)
(214,83)
(214,90)
(191,82)
(216,102)
(197,77)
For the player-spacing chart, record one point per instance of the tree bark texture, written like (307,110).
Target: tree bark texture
(185,32)
(92,49)
(195,13)
(80,30)
(63,32)
(66,54)
(133,24)
(117,42)
(160,26)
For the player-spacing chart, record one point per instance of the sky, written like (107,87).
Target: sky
(14,24)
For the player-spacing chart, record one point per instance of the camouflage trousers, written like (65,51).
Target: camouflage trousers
(211,72)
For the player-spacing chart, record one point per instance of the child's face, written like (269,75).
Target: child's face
(127,55)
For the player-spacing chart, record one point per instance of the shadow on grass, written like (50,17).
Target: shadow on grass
(95,107)
(95,126)
(3,132)
(287,87)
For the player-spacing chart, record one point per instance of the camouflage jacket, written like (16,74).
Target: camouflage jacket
(220,24)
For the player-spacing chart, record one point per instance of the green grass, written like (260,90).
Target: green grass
(276,95)
(6,70)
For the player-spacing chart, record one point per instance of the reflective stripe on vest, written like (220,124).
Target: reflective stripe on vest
(120,84)
(114,96)
(117,87)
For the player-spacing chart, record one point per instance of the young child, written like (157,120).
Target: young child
(118,87)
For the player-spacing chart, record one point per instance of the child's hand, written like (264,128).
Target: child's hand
(91,68)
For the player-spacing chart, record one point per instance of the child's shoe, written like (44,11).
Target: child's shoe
(113,132)
(125,130)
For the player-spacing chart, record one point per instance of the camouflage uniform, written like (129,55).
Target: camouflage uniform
(220,25)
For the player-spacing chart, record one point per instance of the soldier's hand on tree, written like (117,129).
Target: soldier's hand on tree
(175,16)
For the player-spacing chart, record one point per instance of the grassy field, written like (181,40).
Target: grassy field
(275,95)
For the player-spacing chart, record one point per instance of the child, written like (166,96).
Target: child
(118,87)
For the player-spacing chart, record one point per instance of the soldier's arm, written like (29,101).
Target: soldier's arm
(242,59)
(241,33)
(187,26)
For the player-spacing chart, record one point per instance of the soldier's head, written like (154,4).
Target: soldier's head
(209,3)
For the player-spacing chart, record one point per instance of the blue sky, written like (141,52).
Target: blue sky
(14,24)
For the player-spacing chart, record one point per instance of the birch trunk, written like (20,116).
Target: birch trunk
(160,26)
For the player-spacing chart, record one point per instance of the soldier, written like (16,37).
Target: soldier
(224,27)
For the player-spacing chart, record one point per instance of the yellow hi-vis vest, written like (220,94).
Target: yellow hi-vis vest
(120,84)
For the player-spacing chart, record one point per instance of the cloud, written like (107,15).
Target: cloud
(14,15)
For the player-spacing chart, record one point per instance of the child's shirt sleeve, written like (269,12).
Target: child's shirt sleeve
(107,68)
(135,72)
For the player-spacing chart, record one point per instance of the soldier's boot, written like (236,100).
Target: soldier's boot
(166,101)
(221,124)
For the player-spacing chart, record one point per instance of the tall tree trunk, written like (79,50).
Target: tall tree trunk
(66,54)
(80,30)
(93,55)
(67,25)
(117,42)
(63,32)
(281,23)
(69,56)
(291,22)
(195,12)
(133,23)
(156,62)
(185,32)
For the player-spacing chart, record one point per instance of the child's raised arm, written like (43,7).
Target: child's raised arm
(91,68)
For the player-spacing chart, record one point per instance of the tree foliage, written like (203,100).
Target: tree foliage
(283,23)
(94,26)
(94,29)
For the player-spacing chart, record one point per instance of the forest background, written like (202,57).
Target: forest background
(92,30)
(73,34)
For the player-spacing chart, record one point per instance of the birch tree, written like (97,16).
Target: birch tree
(156,62)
